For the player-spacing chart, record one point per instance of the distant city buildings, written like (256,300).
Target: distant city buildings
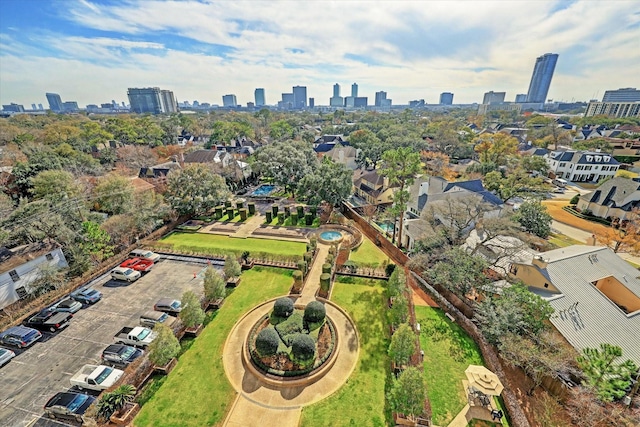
(446,98)
(336,100)
(521,98)
(299,97)
(381,99)
(354,90)
(151,100)
(541,78)
(312,102)
(14,108)
(229,101)
(613,109)
(55,102)
(628,94)
(70,107)
(485,108)
(258,94)
(492,97)
(418,103)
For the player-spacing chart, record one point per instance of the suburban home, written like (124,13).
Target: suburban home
(615,198)
(216,157)
(20,266)
(373,187)
(594,292)
(582,166)
(158,171)
(343,155)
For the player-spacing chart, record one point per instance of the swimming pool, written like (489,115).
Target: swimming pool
(385,226)
(330,236)
(264,190)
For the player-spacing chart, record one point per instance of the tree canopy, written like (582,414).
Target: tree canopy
(285,163)
(195,190)
(330,182)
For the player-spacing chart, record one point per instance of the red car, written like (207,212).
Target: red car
(138,264)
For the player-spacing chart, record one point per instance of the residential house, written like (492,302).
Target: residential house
(373,187)
(158,172)
(594,292)
(343,155)
(615,198)
(222,162)
(582,166)
(19,267)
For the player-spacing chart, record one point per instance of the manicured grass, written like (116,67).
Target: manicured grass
(368,254)
(197,392)
(361,401)
(287,223)
(216,243)
(562,241)
(554,207)
(448,351)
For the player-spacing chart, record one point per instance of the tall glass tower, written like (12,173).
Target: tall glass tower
(55,102)
(541,78)
(259,96)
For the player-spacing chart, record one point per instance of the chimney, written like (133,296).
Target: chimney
(539,261)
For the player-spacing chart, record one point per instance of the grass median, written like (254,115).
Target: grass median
(197,392)
(361,401)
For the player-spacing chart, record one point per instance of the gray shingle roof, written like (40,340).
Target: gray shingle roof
(616,193)
(595,319)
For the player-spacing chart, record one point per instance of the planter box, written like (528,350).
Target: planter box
(233,282)
(216,304)
(402,421)
(247,266)
(125,416)
(195,331)
(166,368)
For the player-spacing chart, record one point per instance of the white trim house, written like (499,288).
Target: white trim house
(582,166)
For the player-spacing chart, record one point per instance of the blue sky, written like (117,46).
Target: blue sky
(92,51)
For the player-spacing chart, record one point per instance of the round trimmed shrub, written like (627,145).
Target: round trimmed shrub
(267,342)
(283,307)
(302,347)
(315,312)
(326,268)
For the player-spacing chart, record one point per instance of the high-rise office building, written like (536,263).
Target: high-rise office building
(380,98)
(55,102)
(169,104)
(627,94)
(360,101)
(288,101)
(492,97)
(521,98)
(70,106)
(541,78)
(145,100)
(40,107)
(258,94)
(446,98)
(229,101)
(613,109)
(336,100)
(13,107)
(33,107)
(354,90)
(299,97)
(312,102)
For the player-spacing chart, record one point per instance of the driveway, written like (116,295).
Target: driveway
(39,372)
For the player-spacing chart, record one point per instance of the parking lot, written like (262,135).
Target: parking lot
(38,372)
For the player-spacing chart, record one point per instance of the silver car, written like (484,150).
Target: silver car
(6,355)
(67,305)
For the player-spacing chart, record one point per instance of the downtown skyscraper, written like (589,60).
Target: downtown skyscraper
(541,78)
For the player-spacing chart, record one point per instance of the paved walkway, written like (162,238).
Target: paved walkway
(312,283)
(249,226)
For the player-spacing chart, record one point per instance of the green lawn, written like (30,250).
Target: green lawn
(448,351)
(360,402)
(561,241)
(197,392)
(368,254)
(215,243)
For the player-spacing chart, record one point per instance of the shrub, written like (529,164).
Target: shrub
(290,327)
(308,218)
(280,217)
(243,213)
(113,401)
(230,214)
(314,312)
(300,210)
(303,348)
(165,347)
(294,218)
(231,267)
(267,342)
(274,210)
(268,217)
(287,211)
(403,345)
(252,208)
(302,266)
(239,205)
(218,212)
(283,307)
(575,199)
(227,204)
(325,281)
(326,268)
(192,313)
(388,270)
(214,285)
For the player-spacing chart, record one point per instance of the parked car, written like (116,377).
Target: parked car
(96,377)
(86,296)
(125,274)
(20,336)
(138,336)
(139,264)
(150,318)
(168,305)
(48,320)
(145,254)
(6,355)
(68,305)
(120,355)
(69,406)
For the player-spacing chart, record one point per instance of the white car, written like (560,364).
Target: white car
(67,305)
(145,254)
(125,274)
(95,377)
(6,355)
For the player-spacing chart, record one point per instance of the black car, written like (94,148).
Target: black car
(69,406)
(48,320)
(120,355)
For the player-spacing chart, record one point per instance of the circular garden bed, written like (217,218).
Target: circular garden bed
(292,341)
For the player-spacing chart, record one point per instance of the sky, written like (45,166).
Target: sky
(91,51)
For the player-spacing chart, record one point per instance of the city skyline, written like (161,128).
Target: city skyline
(92,52)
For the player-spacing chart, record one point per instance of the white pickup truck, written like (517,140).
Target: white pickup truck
(137,337)
(96,377)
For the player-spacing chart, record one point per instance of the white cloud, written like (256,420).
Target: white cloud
(410,49)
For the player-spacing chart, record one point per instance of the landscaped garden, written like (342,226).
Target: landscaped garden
(215,244)
(448,351)
(368,255)
(197,392)
(361,401)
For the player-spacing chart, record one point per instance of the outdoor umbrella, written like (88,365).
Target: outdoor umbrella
(484,380)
